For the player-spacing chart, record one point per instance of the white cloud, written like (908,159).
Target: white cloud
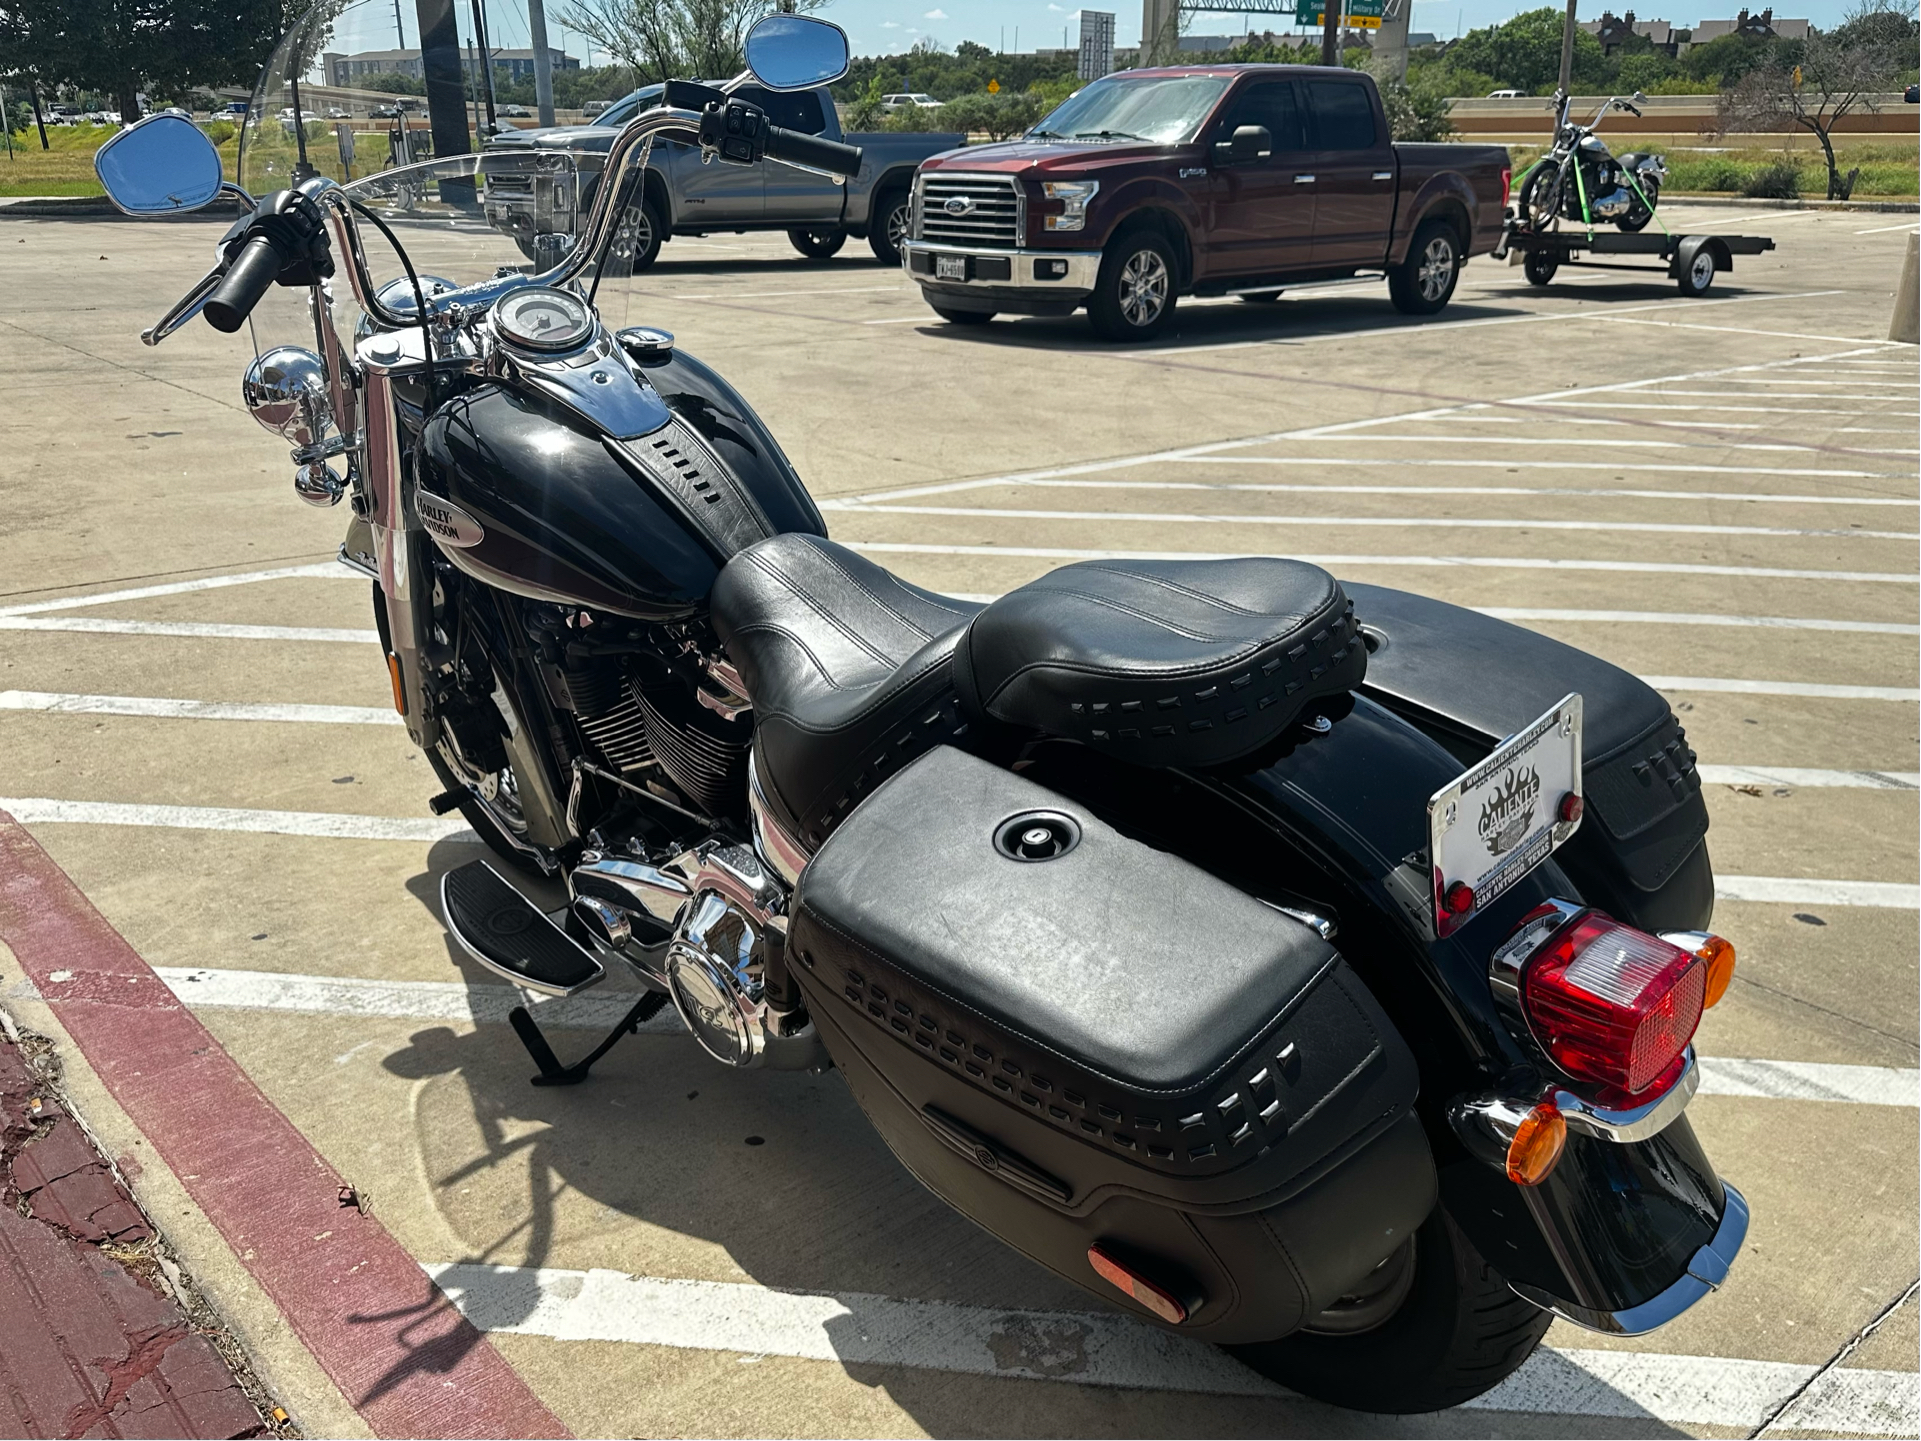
(935,15)
(890,24)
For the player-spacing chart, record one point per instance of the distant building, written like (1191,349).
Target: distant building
(1416,39)
(1097,44)
(346,71)
(1207,44)
(1615,31)
(1761,27)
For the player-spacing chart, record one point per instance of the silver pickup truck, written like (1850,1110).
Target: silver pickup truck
(683,197)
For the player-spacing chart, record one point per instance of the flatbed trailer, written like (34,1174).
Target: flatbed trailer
(1692,260)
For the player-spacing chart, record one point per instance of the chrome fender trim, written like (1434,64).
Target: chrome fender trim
(1706,1272)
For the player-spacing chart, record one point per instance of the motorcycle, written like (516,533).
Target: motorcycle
(1308,969)
(1579,179)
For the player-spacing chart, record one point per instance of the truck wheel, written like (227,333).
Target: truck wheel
(1539,267)
(637,239)
(963,317)
(1433,1327)
(887,226)
(1423,283)
(817,244)
(1135,295)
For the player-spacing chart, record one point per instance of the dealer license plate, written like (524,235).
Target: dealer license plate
(950,267)
(1493,825)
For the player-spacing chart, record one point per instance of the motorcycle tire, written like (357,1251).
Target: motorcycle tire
(1539,267)
(1540,197)
(1457,1333)
(1638,216)
(484,823)
(817,244)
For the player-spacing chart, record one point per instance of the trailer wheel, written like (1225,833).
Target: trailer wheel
(1539,267)
(1695,273)
(816,244)
(1452,1330)
(1423,283)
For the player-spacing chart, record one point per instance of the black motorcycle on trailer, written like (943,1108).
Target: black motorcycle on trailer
(1306,969)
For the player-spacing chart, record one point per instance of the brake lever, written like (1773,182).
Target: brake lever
(185,308)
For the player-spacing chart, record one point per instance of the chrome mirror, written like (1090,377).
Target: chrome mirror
(796,52)
(160,166)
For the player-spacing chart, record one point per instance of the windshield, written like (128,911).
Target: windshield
(1168,110)
(464,208)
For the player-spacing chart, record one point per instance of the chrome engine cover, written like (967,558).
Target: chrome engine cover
(727,911)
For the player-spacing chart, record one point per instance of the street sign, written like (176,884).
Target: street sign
(993,87)
(1359,14)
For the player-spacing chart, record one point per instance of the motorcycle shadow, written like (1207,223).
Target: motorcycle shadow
(667,1164)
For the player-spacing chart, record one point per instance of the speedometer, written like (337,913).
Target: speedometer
(540,318)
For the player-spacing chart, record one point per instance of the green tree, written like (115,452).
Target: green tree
(393,84)
(1645,71)
(1724,60)
(1525,53)
(119,47)
(669,39)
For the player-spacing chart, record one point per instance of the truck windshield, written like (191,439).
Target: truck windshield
(1166,110)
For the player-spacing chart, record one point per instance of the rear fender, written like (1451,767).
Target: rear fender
(1446,196)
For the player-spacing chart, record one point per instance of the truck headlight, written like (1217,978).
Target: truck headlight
(1074,195)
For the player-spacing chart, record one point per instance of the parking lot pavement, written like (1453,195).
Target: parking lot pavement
(1719,495)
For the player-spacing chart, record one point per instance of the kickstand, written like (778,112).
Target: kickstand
(552,1073)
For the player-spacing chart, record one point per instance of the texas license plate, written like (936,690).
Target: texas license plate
(1491,826)
(950,267)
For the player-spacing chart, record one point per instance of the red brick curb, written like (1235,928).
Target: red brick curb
(408,1362)
(87,1347)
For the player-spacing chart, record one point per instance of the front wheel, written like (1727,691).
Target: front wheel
(1423,283)
(1435,1326)
(887,227)
(1540,196)
(636,239)
(1134,296)
(817,244)
(963,317)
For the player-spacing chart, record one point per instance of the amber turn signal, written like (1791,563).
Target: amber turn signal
(1135,1286)
(1537,1145)
(1719,955)
(400,696)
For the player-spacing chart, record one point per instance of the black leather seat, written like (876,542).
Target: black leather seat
(1173,662)
(850,669)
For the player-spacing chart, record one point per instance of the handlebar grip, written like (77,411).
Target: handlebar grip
(803,149)
(240,289)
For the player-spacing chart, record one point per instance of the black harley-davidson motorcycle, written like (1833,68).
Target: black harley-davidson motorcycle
(1582,181)
(1309,969)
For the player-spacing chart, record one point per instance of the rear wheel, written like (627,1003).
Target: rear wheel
(1639,215)
(1434,1326)
(1423,283)
(817,244)
(888,226)
(1539,267)
(1134,296)
(963,317)
(636,240)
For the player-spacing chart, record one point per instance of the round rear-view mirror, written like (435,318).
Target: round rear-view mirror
(796,52)
(164,164)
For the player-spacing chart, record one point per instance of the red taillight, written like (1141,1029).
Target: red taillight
(1611,1004)
(1507,184)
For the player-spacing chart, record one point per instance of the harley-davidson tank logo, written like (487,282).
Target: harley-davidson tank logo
(448,521)
(1508,814)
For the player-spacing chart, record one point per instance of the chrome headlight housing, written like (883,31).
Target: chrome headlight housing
(1075,195)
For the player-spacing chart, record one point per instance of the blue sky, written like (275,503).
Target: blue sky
(879,27)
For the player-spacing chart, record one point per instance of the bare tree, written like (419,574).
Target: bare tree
(1831,74)
(668,39)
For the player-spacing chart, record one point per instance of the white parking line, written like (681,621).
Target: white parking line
(324,570)
(1808,690)
(1281,487)
(1849,384)
(904,290)
(1106,1349)
(1692,618)
(169,708)
(44,810)
(1425,522)
(487,1003)
(1485,562)
(1883,229)
(1723,409)
(1736,330)
(1581,442)
(1793,776)
(1795,891)
(189,629)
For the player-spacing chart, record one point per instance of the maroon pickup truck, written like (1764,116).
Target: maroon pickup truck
(1199,180)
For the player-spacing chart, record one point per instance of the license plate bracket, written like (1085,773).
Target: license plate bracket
(1502,817)
(950,267)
